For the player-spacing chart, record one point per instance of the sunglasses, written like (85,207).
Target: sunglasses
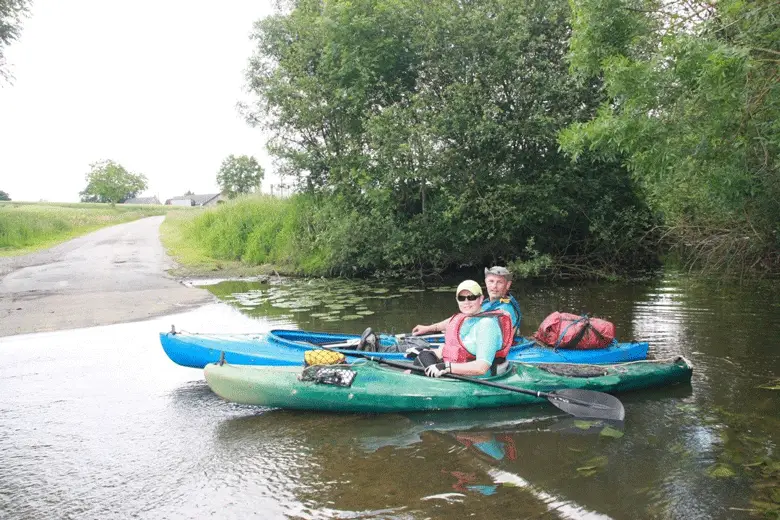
(469,297)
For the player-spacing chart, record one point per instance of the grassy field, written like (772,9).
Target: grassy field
(29,227)
(245,237)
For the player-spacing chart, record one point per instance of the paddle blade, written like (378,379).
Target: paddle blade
(588,404)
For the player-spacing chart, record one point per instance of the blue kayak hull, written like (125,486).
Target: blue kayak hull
(287,347)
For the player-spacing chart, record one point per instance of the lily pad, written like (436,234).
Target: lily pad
(585,425)
(365,313)
(720,471)
(587,471)
(350,317)
(592,466)
(609,431)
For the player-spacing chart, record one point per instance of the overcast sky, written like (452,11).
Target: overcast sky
(150,84)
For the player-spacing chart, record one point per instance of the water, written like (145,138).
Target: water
(98,423)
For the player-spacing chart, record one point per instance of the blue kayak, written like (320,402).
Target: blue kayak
(286,347)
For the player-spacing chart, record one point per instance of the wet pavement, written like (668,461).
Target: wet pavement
(113,275)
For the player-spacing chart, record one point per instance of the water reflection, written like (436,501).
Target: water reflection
(726,330)
(98,423)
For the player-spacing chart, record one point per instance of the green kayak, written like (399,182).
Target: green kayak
(366,386)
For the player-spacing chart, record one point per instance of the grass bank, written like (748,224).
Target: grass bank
(248,236)
(29,227)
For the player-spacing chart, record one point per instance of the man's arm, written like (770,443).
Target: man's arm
(440,326)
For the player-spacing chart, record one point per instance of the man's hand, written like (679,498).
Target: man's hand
(438,370)
(413,352)
(422,329)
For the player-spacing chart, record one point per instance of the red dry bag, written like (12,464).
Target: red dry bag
(563,330)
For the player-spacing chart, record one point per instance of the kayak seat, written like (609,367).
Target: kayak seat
(368,341)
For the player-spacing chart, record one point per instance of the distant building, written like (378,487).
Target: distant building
(142,200)
(210,199)
(281,190)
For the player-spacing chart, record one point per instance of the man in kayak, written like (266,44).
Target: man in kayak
(498,279)
(475,341)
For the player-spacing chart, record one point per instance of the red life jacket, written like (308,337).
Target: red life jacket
(454,350)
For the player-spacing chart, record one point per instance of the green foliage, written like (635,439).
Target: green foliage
(692,110)
(261,230)
(4,196)
(110,182)
(427,133)
(239,175)
(11,14)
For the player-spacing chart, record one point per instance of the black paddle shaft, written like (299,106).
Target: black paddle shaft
(580,403)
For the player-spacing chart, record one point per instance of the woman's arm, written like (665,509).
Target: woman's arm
(472,368)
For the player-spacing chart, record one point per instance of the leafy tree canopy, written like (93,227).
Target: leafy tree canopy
(4,195)
(11,14)
(692,109)
(426,132)
(110,182)
(238,175)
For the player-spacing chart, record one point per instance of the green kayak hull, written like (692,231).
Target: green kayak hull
(380,389)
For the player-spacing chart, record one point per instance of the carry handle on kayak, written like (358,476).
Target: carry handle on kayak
(588,404)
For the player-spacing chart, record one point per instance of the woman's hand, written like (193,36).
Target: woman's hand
(438,370)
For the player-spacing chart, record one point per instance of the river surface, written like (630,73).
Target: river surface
(99,423)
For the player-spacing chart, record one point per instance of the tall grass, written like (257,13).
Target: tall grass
(26,227)
(254,231)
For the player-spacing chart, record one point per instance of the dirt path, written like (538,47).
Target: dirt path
(113,275)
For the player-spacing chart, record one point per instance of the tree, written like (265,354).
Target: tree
(4,195)
(108,181)
(240,174)
(439,121)
(11,13)
(692,110)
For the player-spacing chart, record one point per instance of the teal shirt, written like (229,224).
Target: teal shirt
(511,307)
(482,337)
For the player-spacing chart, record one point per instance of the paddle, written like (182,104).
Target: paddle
(406,335)
(577,402)
(356,341)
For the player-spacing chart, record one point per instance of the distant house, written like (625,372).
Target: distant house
(142,200)
(210,199)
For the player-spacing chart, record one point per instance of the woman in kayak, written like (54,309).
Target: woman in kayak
(475,342)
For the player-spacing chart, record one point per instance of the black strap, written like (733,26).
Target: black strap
(426,358)
(494,366)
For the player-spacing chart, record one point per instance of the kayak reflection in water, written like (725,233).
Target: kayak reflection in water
(475,343)
(495,447)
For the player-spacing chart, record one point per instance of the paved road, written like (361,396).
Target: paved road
(113,275)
